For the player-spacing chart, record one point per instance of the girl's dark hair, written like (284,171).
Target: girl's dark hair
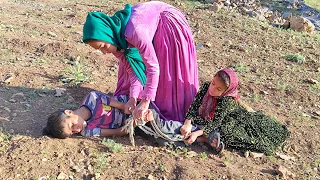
(54,125)
(224,77)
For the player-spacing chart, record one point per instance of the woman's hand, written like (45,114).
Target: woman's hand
(140,110)
(130,105)
(186,128)
(191,138)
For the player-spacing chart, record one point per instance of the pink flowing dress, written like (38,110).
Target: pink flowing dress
(164,39)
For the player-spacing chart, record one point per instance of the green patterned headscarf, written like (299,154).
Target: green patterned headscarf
(99,26)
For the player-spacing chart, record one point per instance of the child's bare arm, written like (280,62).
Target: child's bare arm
(116,104)
(112,132)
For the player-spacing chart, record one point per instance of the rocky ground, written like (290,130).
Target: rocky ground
(42,56)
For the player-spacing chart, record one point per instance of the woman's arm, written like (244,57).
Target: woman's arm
(140,40)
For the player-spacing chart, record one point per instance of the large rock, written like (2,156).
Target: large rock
(301,24)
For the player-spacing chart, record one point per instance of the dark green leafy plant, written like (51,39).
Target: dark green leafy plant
(295,58)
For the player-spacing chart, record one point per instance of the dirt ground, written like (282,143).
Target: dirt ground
(40,39)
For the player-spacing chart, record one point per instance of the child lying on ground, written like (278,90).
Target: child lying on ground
(102,115)
(217,110)
(98,115)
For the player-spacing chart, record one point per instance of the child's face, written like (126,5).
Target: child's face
(73,124)
(217,87)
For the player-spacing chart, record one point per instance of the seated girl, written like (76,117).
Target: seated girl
(217,111)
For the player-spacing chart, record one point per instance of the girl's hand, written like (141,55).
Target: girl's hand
(186,128)
(130,105)
(140,110)
(191,138)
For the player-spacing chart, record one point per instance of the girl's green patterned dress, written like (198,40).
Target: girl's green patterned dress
(239,129)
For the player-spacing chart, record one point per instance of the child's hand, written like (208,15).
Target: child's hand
(148,116)
(191,138)
(186,129)
(130,105)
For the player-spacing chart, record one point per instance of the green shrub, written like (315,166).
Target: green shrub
(76,74)
(112,145)
(295,58)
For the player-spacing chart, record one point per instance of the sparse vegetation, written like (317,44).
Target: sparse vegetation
(203,155)
(298,58)
(241,68)
(76,74)
(100,162)
(112,145)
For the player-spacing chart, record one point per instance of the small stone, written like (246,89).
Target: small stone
(8,79)
(62,176)
(246,154)
(284,172)
(11,131)
(44,159)
(41,95)
(264,92)
(285,157)
(59,92)
(199,46)
(77,32)
(75,168)
(97,175)
(256,155)
(223,164)
(191,154)
(150,177)
(52,34)
(312,81)
(20,95)
(294,147)
(228,43)
(208,44)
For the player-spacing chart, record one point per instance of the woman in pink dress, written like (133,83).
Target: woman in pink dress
(157,57)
